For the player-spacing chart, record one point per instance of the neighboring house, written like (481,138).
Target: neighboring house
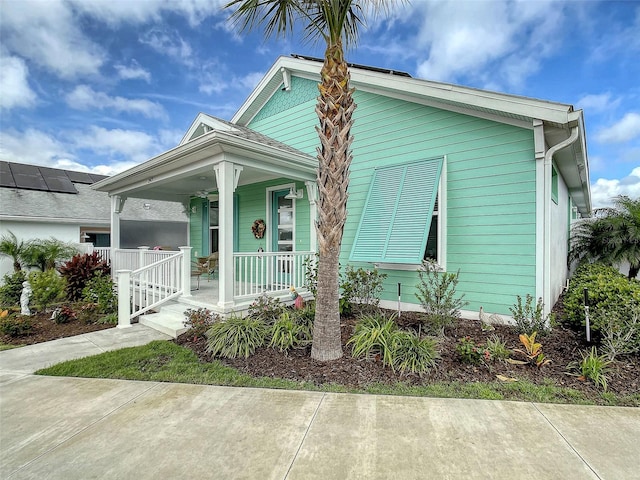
(485,183)
(40,202)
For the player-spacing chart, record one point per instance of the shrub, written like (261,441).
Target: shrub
(528,318)
(311,275)
(413,354)
(101,290)
(79,270)
(373,335)
(609,291)
(470,352)
(199,321)
(620,333)
(593,367)
(48,288)
(236,337)
(11,290)
(286,333)
(266,309)
(88,312)
(437,294)
(305,316)
(362,288)
(110,319)
(15,325)
(63,314)
(532,351)
(497,348)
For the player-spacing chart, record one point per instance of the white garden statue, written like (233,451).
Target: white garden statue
(25,297)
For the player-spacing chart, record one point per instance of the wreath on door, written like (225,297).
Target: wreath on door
(258,228)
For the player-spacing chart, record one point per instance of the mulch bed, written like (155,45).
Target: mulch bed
(561,346)
(44,329)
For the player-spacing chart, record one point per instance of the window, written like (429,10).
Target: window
(398,214)
(431,251)
(554,184)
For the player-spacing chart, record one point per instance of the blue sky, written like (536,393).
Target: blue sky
(102,85)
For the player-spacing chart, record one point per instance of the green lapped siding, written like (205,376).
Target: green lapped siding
(252,205)
(198,230)
(490,184)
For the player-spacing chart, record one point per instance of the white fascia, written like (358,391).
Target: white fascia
(392,85)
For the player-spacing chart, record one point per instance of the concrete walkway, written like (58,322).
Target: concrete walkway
(74,428)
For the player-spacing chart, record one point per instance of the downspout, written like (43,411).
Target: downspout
(548,159)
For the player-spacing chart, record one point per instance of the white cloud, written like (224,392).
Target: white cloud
(136,12)
(134,146)
(133,72)
(14,85)
(170,138)
(622,131)
(604,190)
(34,147)
(494,42)
(250,80)
(49,36)
(169,43)
(598,103)
(83,97)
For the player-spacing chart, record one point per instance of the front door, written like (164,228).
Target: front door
(282,236)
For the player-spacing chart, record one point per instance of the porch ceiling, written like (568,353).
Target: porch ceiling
(184,171)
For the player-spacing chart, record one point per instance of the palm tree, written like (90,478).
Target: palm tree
(335,22)
(11,247)
(611,236)
(47,254)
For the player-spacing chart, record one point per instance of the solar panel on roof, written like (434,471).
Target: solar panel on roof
(6,177)
(97,178)
(79,177)
(57,180)
(28,177)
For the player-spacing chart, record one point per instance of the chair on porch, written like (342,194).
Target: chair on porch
(205,266)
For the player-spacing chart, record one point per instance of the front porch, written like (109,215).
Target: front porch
(228,179)
(149,279)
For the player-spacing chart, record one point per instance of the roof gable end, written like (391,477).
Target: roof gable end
(206,123)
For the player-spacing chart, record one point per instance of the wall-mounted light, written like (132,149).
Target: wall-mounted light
(294,194)
(194,209)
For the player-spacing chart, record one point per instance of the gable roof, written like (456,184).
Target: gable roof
(558,119)
(185,169)
(205,123)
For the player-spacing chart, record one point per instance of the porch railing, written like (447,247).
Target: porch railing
(145,288)
(261,272)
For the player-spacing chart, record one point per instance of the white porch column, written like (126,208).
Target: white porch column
(312,195)
(227,178)
(186,271)
(117,204)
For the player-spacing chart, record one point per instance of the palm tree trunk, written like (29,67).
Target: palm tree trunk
(335,110)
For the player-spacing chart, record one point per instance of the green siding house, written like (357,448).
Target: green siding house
(485,183)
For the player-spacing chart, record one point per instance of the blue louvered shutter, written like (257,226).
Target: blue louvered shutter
(395,222)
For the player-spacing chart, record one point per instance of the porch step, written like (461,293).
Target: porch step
(169,320)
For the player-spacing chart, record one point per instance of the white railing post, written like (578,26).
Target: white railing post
(186,271)
(143,256)
(124,298)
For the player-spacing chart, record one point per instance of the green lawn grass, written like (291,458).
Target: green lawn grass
(8,346)
(163,361)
